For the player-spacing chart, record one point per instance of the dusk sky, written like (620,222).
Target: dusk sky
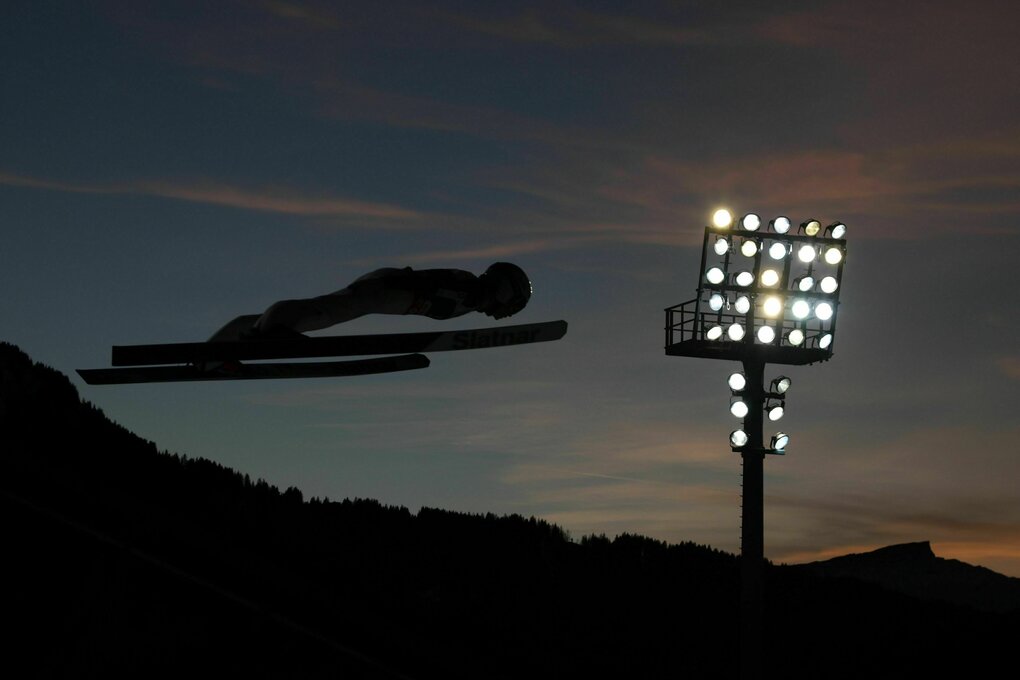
(166,166)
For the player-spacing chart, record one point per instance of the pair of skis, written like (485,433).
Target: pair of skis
(193,361)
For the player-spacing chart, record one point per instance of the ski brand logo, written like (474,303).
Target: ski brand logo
(492,338)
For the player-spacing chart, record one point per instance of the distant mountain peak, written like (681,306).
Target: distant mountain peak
(917,551)
(914,569)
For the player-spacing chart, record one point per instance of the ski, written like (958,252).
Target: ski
(236,371)
(340,345)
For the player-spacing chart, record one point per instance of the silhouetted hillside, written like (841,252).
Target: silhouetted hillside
(913,569)
(432,594)
(122,559)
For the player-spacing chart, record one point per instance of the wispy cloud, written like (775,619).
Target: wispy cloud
(14,180)
(954,67)
(339,396)
(633,183)
(310,15)
(263,199)
(347,99)
(852,28)
(571,27)
(918,189)
(500,250)
(316,66)
(275,200)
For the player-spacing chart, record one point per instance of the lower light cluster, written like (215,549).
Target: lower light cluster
(773,404)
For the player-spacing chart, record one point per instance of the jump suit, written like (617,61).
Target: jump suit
(438,293)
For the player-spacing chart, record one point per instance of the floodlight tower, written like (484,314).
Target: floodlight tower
(766,294)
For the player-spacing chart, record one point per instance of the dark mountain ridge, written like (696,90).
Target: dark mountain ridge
(915,570)
(125,559)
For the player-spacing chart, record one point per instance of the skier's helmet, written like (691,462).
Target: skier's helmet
(509,289)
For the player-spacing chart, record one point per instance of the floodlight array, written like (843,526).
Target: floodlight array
(763,284)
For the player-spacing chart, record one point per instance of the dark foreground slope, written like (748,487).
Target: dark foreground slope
(128,557)
(122,559)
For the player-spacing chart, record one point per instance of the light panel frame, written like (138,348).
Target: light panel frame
(696,317)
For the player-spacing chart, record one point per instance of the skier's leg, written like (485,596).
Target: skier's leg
(300,315)
(310,314)
(235,329)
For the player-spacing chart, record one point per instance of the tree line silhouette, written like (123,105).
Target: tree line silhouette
(125,558)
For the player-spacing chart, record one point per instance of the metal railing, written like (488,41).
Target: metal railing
(685,328)
(689,321)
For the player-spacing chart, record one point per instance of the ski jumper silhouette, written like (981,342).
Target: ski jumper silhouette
(501,291)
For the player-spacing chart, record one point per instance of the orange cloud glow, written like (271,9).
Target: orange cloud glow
(1010,366)
(268,199)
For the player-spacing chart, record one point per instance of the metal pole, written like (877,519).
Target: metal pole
(752,530)
(699,333)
